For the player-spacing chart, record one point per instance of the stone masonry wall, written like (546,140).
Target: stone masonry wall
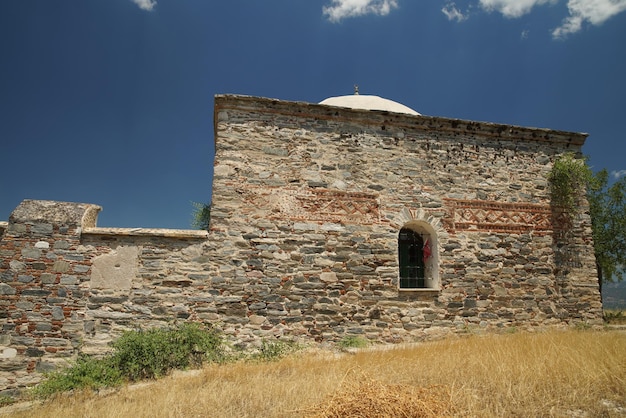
(68,287)
(40,293)
(308,201)
(307,204)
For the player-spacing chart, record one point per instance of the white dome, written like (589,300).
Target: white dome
(362,101)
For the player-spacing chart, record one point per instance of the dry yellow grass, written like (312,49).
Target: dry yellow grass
(555,374)
(362,396)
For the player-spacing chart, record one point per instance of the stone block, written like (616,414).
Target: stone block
(31,253)
(67,280)
(45,367)
(328,277)
(7,290)
(16,265)
(8,353)
(35,292)
(115,270)
(12,365)
(61,266)
(42,229)
(61,244)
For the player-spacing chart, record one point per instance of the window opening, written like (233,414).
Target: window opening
(412,251)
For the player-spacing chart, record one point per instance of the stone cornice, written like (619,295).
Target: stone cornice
(383,118)
(147,232)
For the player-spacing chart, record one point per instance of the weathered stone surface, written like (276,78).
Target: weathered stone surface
(61,266)
(115,270)
(12,365)
(328,277)
(31,253)
(8,353)
(5,289)
(42,213)
(69,280)
(61,244)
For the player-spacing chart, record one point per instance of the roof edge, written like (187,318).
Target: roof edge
(382,117)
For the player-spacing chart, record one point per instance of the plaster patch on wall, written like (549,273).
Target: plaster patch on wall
(115,270)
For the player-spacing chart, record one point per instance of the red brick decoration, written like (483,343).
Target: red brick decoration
(316,204)
(490,216)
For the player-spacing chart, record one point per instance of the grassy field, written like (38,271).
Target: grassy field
(552,374)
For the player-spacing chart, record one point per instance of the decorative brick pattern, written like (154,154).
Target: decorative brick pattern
(316,205)
(490,216)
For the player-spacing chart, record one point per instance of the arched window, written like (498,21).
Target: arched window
(418,250)
(411,257)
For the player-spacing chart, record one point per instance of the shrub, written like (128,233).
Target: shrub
(6,400)
(352,341)
(274,350)
(614,316)
(147,354)
(568,180)
(86,373)
(143,354)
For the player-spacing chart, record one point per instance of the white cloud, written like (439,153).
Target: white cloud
(452,13)
(340,9)
(512,8)
(595,12)
(618,174)
(524,34)
(145,4)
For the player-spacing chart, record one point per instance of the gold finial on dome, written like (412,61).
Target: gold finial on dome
(356,89)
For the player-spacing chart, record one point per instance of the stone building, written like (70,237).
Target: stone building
(355,216)
(359,215)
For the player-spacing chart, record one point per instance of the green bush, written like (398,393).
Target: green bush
(568,180)
(614,316)
(352,341)
(147,354)
(6,400)
(143,354)
(86,373)
(274,350)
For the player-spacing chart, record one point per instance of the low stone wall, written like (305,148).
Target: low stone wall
(68,287)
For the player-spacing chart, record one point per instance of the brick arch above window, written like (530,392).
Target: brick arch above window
(406,215)
(430,231)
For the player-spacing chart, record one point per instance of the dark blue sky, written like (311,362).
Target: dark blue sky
(110,103)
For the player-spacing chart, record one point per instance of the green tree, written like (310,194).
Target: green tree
(201,216)
(569,178)
(608,217)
